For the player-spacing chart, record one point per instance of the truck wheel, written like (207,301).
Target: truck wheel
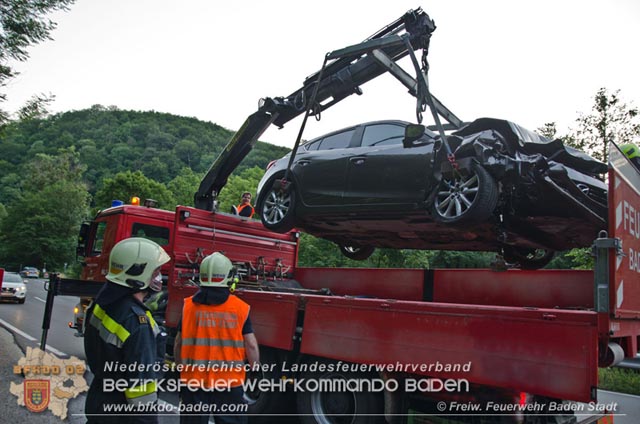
(466,198)
(336,407)
(277,208)
(268,403)
(357,253)
(528,258)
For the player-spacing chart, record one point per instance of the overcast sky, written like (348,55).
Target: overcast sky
(529,61)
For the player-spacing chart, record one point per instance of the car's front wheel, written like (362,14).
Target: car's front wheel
(357,253)
(277,208)
(466,198)
(527,258)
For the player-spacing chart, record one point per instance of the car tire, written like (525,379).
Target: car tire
(470,198)
(21,301)
(527,258)
(333,407)
(357,253)
(277,208)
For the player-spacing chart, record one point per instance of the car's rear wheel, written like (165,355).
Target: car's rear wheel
(527,258)
(470,197)
(277,208)
(358,253)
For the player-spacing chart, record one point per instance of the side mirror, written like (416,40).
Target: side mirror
(82,240)
(412,133)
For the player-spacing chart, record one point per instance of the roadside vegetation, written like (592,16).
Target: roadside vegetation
(621,380)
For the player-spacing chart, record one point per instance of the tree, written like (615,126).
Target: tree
(611,120)
(548,130)
(23,23)
(37,107)
(128,184)
(247,180)
(41,225)
(184,186)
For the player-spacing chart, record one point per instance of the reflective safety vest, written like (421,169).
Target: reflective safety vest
(248,212)
(212,343)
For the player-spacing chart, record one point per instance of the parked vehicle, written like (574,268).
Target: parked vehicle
(368,186)
(30,272)
(13,287)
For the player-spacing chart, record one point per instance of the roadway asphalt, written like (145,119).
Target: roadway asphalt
(20,327)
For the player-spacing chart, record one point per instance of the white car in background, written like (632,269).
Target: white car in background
(13,287)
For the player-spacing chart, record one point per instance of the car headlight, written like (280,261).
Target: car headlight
(22,288)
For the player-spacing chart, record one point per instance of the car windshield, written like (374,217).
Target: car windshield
(11,278)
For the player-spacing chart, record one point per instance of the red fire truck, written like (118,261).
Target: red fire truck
(477,338)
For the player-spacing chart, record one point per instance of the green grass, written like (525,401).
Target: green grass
(622,380)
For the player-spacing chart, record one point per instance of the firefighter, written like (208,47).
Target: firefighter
(123,343)
(244,208)
(214,340)
(631,151)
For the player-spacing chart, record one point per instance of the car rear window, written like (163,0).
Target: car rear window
(382,135)
(11,278)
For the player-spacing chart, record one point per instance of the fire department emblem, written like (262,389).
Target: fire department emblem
(36,395)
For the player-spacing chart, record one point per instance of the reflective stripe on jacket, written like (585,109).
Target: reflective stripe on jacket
(212,343)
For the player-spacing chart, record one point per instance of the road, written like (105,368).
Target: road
(25,322)
(27,318)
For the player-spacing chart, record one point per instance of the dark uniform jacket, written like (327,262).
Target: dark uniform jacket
(122,343)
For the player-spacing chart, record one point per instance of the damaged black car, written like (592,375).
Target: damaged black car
(495,187)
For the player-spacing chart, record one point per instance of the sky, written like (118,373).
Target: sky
(528,61)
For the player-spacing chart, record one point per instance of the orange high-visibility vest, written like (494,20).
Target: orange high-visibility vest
(212,343)
(240,207)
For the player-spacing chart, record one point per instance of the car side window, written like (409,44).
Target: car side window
(382,135)
(337,141)
(312,146)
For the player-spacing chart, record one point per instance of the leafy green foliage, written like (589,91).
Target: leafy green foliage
(619,380)
(611,119)
(128,184)
(246,180)
(183,186)
(23,23)
(105,154)
(41,224)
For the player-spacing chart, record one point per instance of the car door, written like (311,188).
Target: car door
(321,171)
(383,172)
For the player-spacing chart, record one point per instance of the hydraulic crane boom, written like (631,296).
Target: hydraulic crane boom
(341,75)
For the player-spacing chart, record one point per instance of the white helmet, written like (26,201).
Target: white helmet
(215,271)
(133,262)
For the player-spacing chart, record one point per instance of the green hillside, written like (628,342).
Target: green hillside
(57,172)
(109,141)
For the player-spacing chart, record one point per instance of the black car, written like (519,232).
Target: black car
(393,184)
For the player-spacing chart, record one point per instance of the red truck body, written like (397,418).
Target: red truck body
(542,332)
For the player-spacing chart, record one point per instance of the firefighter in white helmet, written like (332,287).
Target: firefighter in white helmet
(120,331)
(216,332)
